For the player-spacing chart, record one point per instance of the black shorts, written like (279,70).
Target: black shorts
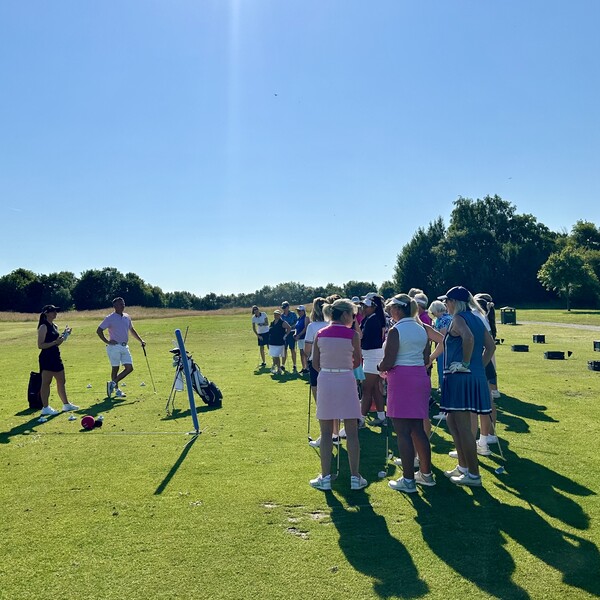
(312,374)
(290,342)
(263,339)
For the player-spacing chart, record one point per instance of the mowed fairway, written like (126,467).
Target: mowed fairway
(129,511)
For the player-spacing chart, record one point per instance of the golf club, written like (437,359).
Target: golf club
(436,426)
(309,399)
(500,469)
(383,472)
(149,370)
(339,443)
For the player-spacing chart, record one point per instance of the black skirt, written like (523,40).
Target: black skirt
(51,361)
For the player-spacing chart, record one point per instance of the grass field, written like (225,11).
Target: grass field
(132,510)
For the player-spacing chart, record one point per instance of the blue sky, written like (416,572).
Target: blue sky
(219,146)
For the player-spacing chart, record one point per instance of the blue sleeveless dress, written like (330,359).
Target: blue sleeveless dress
(466,391)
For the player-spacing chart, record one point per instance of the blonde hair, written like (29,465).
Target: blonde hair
(316,314)
(333,312)
(410,307)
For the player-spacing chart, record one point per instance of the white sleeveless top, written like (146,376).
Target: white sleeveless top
(413,339)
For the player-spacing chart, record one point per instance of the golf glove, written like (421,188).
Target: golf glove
(457,367)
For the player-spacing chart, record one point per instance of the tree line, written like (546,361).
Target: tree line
(487,247)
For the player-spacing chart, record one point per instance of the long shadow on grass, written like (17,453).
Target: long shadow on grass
(33,423)
(179,413)
(165,482)
(369,547)
(527,410)
(466,528)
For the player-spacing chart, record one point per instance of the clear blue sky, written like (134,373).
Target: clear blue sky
(278,140)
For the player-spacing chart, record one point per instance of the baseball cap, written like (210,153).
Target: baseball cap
(458,292)
(370,295)
(355,299)
(301,307)
(50,308)
(368,302)
(277,312)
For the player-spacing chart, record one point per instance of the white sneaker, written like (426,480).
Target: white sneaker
(453,454)
(422,479)
(439,417)
(69,406)
(342,433)
(315,443)
(120,394)
(111,386)
(467,479)
(416,464)
(495,393)
(321,483)
(357,482)
(401,485)
(483,450)
(492,439)
(48,411)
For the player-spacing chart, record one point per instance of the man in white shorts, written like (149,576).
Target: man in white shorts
(119,325)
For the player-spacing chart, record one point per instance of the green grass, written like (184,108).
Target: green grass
(130,511)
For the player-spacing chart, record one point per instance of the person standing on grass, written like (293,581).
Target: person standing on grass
(277,332)
(336,353)
(260,326)
(300,335)
(119,326)
(291,318)
(51,365)
(317,322)
(373,333)
(468,348)
(409,387)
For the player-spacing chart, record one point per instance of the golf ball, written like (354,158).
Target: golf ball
(382,474)
(72,418)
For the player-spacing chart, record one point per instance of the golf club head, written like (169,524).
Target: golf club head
(499,470)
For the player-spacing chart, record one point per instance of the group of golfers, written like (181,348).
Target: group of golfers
(389,348)
(119,326)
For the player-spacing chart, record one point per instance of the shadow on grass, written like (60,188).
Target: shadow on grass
(179,413)
(466,528)
(33,423)
(362,530)
(526,410)
(165,482)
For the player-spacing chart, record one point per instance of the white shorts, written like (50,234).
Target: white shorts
(300,344)
(371,358)
(118,355)
(276,351)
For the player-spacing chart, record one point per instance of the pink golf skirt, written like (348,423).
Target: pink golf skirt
(408,391)
(337,396)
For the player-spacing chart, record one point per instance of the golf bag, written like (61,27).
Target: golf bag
(33,391)
(207,390)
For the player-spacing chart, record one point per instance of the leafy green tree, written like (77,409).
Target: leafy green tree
(58,288)
(566,271)
(387,289)
(97,288)
(358,288)
(419,261)
(20,291)
(586,235)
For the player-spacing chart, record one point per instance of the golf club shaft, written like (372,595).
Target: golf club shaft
(309,400)
(497,438)
(149,370)
(436,426)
